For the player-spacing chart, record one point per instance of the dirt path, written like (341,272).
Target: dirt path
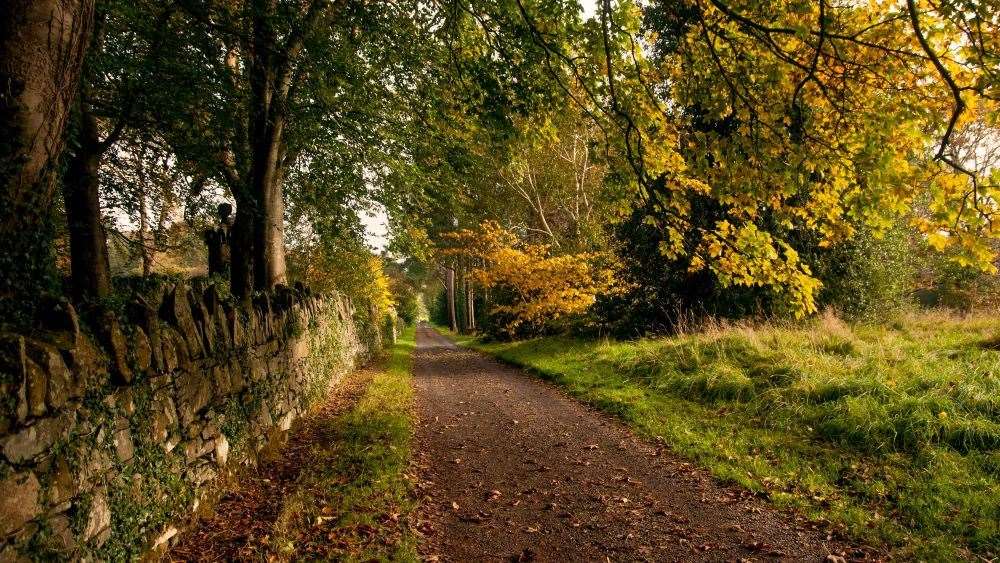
(516,470)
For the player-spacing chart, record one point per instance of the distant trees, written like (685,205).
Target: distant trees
(739,137)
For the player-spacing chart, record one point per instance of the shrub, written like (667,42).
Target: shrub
(533,290)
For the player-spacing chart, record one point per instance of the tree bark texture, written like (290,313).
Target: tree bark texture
(470,305)
(89,265)
(450,290)
(42,45)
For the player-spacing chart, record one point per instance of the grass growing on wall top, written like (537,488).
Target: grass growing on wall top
(890,430)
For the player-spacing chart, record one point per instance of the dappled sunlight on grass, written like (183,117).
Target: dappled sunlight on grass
(891,430)
(351,502)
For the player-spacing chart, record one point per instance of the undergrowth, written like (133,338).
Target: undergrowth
(350,503)
(891,430)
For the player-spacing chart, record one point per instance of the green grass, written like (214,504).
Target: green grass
(892,431)
(351,503)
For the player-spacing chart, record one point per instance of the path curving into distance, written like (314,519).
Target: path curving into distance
(514,470)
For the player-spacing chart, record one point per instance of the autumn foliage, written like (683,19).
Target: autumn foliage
(539,288)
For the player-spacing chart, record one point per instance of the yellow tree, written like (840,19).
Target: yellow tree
(540,288)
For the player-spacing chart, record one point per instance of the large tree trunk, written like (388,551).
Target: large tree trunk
(269,229)
(88,245)
(267,126)
(241,249)
(42,44)
(450,291)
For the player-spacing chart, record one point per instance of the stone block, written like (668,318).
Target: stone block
(18,501)
(38,388)
(60,381)
(98,518)
(124,448)
(221,450)
(163,539)
(223,336)
(62,485)
(58,319)
(61,532)
(221,380)
(37,438)
(258,368)
(164,417)
(87,363)
(176,310)
(210,430)
(237,377)
(114,342)
(13,363)
(142,349)
(196,448)
(93,468)
(194,392)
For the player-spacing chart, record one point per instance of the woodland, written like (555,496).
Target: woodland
(764,220)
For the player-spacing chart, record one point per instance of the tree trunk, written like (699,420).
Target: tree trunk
(267,125)
(241,249)
(450,285)
(270,233)
(88,244)
(42,44)
(470,305)
(145,241)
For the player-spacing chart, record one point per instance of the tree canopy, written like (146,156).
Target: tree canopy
(742,137)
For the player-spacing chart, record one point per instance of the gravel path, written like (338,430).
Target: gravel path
(513,469)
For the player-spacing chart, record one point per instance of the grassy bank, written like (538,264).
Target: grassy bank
(351,502)
(892,431)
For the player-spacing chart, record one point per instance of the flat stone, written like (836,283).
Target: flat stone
(93,469)
(62,532)
(164,417)
(37,438)
(220,375)
(99,517)
(142,350)
(38,387)
(61,386)
(221,450)
(286,422)
(194,392)
(196,448)
(211,430)
(124,448)
(87,363)
(176,310)
(62,486)
(18,501)
(236,376)
(114,340)
(165,537)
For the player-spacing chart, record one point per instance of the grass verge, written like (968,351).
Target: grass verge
(351,502)
(892,431)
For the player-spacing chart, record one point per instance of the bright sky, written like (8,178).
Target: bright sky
(376,228)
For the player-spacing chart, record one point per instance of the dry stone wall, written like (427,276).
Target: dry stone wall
(113,436)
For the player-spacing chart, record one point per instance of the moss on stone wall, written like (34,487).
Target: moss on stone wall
(107,450)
